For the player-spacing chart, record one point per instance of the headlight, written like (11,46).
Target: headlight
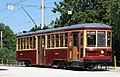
(102,52)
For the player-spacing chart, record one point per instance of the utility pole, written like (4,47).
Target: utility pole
(42,7)
(1,43)
(1,39)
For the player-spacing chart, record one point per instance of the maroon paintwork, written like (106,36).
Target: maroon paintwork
(94,54)
(98,58)
(26,55)
(55,54)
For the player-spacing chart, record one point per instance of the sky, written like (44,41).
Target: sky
(19,21)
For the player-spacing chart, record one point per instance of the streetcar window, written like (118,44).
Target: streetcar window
(61,40)
(57,40)
(25,43)
(31,43)
(66,39)
(91,38)
(22,42)
(52,40)
(19,43)
(34,42)
(81,36)
(109,39)
(39,42)
(75,37)
(28,42)
(48,41)
(101,39)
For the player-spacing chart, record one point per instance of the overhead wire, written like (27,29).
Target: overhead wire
(15,10)
(3,11)
(12,12)
(9,15)
(21,1)
(5,8)
(46,17)
(30,6)
(27,22)
(24,5)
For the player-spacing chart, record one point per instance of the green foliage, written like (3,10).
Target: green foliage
(38,28)
(91,11)
(83,11)
(9,42)
(115,23)
(1,53)
(6,53)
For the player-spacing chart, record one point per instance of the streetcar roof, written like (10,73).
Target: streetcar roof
(87,25)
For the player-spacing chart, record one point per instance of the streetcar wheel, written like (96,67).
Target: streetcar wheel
(27,63)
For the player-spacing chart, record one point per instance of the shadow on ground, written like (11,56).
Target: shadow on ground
(79,69)
(3,69)
(76,69)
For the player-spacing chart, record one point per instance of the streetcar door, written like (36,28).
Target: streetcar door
(70,46)
(81,39)
(75,41)
(41,45)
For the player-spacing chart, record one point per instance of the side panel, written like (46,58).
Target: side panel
(26,55)
(55,54)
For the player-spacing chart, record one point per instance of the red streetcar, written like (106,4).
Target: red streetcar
(81,45)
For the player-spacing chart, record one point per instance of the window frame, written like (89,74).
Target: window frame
(110,38)
(90,35)
(99,35)
(56,38)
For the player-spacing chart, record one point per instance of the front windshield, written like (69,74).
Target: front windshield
(101,39)
(91,38)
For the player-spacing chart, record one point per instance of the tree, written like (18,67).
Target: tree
(36,28)
(83,11)
(115,23)
(91,11)
(9,42)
